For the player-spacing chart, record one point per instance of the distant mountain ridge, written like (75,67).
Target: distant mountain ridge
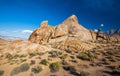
(10,38)
(113,31)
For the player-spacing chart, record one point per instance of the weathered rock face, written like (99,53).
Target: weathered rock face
(70,27)
(67,34)
(42,34)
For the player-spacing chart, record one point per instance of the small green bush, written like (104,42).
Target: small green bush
(37,69)
(63,57)
(55,66)
(22,55)
(45,62)
(9,56)
(55,53)
(87,56)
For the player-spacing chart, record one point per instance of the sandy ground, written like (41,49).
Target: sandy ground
(108,55)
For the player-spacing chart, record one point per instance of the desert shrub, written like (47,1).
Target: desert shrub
(1,72)
(37,69)
(71,69)
(21,68)
(9,56)
(54,67)
(32,55)
(63,57)
(11,62)
(24,67)
(45,62)
(55,53)
(87,56)
(32,62)
(64,62)
(83,56)
(22,55)
(16,56)
(23,60)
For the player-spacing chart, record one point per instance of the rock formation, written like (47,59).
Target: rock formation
(69,35)
(69,32)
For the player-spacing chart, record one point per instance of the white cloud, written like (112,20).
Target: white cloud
(101,25)
(26,31)
(95,30)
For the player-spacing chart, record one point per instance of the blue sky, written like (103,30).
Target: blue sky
(20,17)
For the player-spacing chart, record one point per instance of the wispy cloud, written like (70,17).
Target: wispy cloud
(26,31)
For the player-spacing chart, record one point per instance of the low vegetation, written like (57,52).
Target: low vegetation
(54,67)
(22,68)
(9,56)
(87,56)
(32,62)
(1,72)
(37,69)
(63,57)
(22,55)
(45,62)
(55,53)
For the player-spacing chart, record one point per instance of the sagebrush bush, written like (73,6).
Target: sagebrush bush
(21,68)
(37,69)
(45,62)
(55,53)
(9,56)
(87,56)
(54,67)
(22,55)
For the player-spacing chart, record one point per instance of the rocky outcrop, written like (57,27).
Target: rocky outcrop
(42,34)
(70,27)
(100,35)
(69,35)
(69,32)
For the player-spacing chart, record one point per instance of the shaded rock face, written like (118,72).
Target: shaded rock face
(69,32)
